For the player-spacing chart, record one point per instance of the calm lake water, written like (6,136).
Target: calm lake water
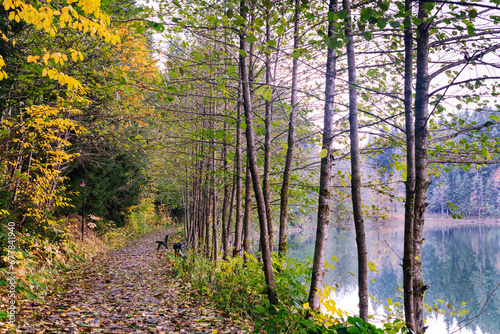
(461,263)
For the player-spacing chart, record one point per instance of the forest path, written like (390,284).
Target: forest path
(130,290)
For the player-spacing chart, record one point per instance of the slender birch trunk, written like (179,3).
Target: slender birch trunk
(421,162)
(238,224)
(248,211)
(357,208)
(318,271)
(252,157)
(267,139)
(410,176)
(291,137)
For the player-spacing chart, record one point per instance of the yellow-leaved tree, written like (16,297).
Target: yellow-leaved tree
(42,57)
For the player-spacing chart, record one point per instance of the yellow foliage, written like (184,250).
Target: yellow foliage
(42,139)
(330,312)
(51,20)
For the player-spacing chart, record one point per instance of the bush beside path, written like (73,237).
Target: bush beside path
(130,290)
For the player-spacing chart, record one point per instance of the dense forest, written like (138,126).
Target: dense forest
(240,117)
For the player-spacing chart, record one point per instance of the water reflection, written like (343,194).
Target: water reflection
(461,263)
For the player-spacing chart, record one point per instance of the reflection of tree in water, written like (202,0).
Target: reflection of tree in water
(460,263)
(340,244)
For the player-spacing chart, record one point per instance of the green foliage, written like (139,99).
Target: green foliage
(113,184)
(238,288)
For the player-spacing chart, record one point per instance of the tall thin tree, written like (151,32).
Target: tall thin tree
(318,270)
(357,208)
(252,154)
(410,173)
(291,136)
(421,161)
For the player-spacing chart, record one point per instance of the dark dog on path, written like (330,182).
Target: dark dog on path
(179,247)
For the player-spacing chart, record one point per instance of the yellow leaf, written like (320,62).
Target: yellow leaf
(12,15)
(8,4)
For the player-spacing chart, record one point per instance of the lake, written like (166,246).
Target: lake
(460,262)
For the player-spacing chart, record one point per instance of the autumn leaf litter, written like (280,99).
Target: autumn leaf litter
(131,290)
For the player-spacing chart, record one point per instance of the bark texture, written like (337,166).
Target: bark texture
(421,163)
(291,137)
(267,139)
(410,177)
(252,157)
(318,271)
(357,208)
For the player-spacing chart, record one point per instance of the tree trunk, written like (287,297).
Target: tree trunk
(187,225)
(238,227)
(252,157)
(248,211)
(225,201)
(421,163)
(206,214)
(291,137)
(230,219)
(357,209)
(318,271)
(215,223)
(410,177)
(267,139)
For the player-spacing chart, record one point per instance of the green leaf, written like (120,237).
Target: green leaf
(268,94)
(395,24)
(400,166)
(367,35)
(485,153)
(260,308)
(259,91)
(323,153)
(495,118)
(343,14)
(331,16)
(381,23)
(250,39)
(258,22)
(334,43)
(429,6)
(372,72)
(243,53)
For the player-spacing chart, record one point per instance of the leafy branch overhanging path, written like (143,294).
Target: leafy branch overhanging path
(130,290)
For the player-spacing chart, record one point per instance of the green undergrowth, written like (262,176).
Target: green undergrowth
(40,259)
(238,288)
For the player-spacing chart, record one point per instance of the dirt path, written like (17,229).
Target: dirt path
(125,291)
